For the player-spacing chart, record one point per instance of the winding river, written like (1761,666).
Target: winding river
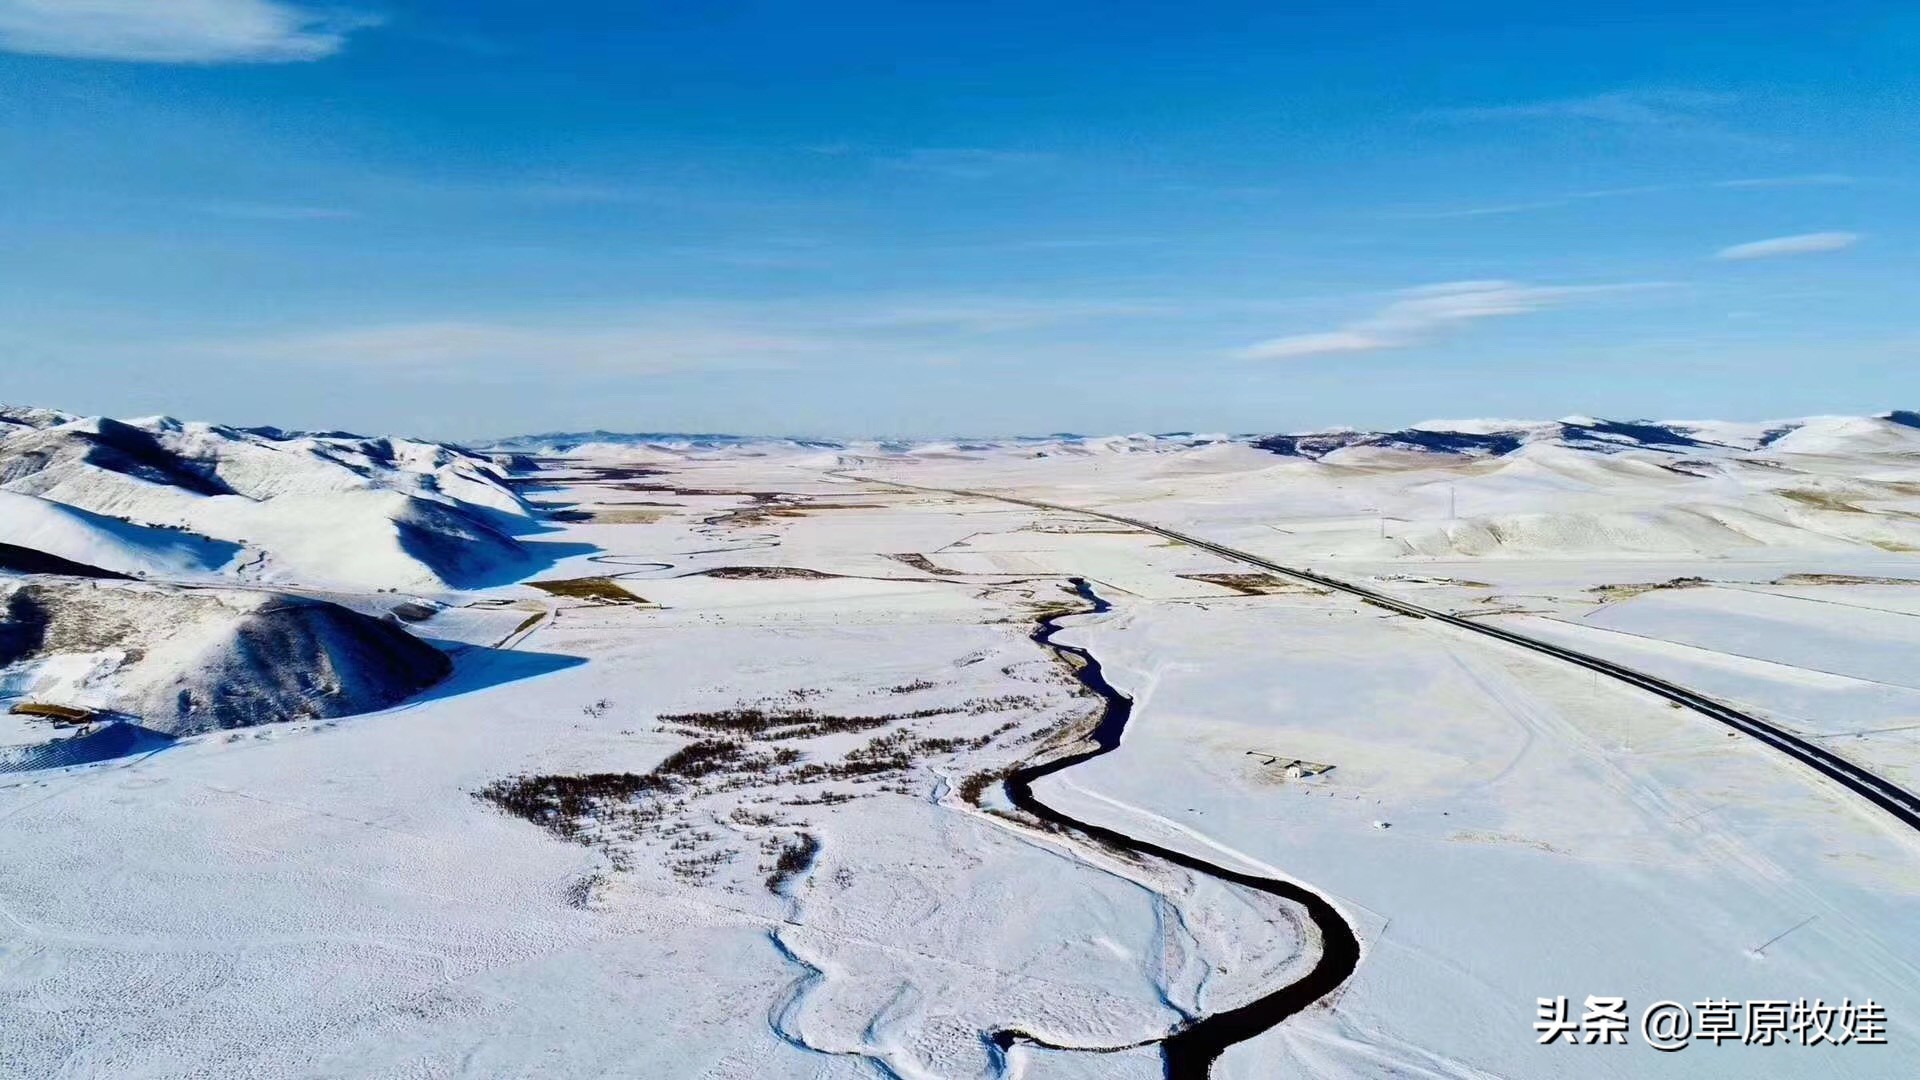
(1190,1051)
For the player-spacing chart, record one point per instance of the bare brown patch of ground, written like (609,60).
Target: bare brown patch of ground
(1820,500)
(626,515)
(59,714)
(1253,584)
(922,563)
(1611,593)
(782,507)
(600,590)
(1841,579)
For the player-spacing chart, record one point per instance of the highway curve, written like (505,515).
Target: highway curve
(1878,790)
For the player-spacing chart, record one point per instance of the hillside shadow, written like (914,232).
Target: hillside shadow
(117,737)
(548,552)
(537,557)
(481,667)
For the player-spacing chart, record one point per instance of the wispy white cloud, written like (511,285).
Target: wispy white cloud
(669,337)
(1802,244)
(174,31)
(1696,115)
(1487,210)
(479,347)
(872,332)
(1810,180)
(1553,202)
(1421,315)
(1322,343)
(1573,198)
(967,163)
(1621,108)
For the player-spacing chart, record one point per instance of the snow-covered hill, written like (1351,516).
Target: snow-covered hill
(88,504)
(312,509)
(91,539)
(1894,432)
(181,662)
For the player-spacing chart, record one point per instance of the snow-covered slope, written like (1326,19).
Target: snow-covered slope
(314,509)
(1895,433)
(182,662)
(82,536)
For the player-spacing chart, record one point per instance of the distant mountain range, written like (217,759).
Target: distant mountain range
(1893,430)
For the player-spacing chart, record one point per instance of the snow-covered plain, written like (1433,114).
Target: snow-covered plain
(752,724)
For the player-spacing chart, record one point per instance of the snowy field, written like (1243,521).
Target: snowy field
(720,793)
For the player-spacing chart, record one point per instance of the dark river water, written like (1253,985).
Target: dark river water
(1190,1050)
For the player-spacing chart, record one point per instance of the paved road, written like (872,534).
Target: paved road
(1878,790)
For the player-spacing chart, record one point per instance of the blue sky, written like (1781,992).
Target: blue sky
(472,217)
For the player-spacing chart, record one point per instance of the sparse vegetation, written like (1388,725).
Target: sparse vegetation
(559,803)
(754,723)
(757,818)
(975,786)
(828,797)
(780,752)
(794,859)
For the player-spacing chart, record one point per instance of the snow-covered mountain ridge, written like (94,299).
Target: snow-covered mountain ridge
(1896,431)
(216,523)
(162,496)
